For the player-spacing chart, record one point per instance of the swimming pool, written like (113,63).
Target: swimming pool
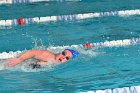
(108,65)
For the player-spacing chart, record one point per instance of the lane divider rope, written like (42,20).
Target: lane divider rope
(31,1)
(114,43)
(15,22)
(132,89)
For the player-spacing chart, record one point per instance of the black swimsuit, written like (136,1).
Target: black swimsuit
(35,65)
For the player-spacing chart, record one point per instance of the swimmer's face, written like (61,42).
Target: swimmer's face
(64,56)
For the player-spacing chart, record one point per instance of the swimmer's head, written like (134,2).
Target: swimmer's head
(73,52)
(66,55)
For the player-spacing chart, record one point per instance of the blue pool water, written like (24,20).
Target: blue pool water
(94,69)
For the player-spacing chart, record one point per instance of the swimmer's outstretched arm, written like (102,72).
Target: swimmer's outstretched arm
(28,54)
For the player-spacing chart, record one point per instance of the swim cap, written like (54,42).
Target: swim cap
(73,52)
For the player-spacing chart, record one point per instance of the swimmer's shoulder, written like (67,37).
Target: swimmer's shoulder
(40,52)
(49,53)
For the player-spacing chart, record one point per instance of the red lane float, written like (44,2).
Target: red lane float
(20,21)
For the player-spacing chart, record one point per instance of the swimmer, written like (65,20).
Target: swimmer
(42,57)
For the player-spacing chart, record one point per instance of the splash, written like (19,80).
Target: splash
(27,67)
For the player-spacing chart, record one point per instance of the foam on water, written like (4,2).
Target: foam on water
(26,67)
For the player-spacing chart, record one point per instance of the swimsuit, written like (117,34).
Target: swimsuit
(35,65)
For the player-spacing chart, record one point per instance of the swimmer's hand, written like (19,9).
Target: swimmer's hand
(12,62)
